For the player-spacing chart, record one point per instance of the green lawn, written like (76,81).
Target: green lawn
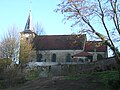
(109,79)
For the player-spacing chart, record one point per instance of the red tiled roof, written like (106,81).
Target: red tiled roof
(60,42)
(82,54)
(91,45)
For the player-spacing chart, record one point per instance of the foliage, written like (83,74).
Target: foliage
(11,76)
(4,63)
(26,50)
(9,50)
(114,84)
(107,75)
(32,74)
(26,53)
(109,78)
(9,44)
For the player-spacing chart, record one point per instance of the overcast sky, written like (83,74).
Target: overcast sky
(15,13)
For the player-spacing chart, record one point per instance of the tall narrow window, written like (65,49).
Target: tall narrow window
(39,58)
(54,57)
(68,58)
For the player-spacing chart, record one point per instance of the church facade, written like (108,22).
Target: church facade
(63,48)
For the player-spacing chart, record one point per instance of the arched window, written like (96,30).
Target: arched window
(39,57)
(54,57)
(81,60)
(68,58)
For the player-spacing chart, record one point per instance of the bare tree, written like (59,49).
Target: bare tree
(99,17)
(39,30)
(9,45)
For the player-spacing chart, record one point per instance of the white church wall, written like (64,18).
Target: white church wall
(60,54)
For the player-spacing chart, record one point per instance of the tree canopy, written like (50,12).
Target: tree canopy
(99,17)
(9,45)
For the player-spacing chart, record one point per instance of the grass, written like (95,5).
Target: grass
(109,79)
(76,77)
(106,76)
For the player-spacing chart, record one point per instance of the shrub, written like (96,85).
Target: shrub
(11,77)
(32,74)
(114,84)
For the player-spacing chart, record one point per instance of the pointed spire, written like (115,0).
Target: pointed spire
(29,24)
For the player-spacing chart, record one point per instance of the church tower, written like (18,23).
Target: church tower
(27,37)
(28,33)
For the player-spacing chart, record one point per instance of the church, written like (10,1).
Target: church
(63,49)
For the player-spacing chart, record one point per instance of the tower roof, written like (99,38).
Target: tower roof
(29,24)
